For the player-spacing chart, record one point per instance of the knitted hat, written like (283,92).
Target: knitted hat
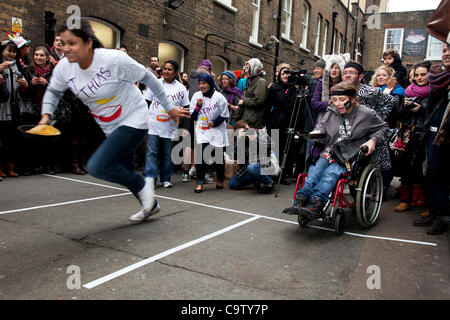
(206,64)
(320,63)
(230,74)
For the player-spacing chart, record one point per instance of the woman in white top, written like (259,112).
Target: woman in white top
(209,111)
(162,126)
(104,80)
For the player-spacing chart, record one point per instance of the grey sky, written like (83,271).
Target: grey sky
(412,5)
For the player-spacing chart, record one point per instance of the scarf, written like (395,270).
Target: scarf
(232,92)
(420,92)
(439,81)
(41,72)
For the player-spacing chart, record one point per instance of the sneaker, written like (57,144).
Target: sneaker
(147,195)
(142,215)
(208,179)
(167,184)
(185,177)
(193,172)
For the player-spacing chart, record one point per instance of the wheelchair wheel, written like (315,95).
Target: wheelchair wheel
(339,222)
(369,196)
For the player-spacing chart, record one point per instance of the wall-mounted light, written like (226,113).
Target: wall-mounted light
(173,4)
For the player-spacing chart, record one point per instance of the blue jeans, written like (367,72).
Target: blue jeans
(252,176)
(159,150)
(113,161)
(322,178)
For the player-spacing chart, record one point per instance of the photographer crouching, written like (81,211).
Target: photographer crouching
(259,162)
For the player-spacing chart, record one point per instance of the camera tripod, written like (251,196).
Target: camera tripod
(300,103)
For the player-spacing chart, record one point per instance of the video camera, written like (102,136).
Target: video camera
(297,77)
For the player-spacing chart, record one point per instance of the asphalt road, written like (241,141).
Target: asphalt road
(68,237)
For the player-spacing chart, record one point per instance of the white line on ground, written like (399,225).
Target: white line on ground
(64,203)
(259,216)
(135,266)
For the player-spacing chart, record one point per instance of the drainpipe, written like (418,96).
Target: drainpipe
(277,45)
(346,26)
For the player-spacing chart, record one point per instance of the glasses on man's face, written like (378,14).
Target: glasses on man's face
(350,73)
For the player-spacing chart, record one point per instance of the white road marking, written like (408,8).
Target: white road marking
(259,216)
(64,203)
(135,266)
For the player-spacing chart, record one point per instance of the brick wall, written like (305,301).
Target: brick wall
(188,26)
(375,38)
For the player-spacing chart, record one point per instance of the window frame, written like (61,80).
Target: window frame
(227,4)
(317,41)
(286,12)
(433,58)
(325,38)
(400,50)
(255,24)
(305,25)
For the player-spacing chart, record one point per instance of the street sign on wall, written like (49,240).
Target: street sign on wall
(415,42)
(16,25)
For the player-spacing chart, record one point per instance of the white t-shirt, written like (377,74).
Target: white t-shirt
(160,124)
(212,108)
(107,87)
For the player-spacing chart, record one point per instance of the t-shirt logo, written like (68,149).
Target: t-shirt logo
(111,112)
(163,117)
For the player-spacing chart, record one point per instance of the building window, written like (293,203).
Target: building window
(256,4)
(317,44)
(434,49)
(305,22)
(334,41)
(340,41)
(108,35)
(286,19)
(325,36)
(393,39)
(219,65)
(227,4)
(171,51)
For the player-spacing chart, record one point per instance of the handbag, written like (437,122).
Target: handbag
(400,140)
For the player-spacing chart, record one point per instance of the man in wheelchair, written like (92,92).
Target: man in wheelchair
(348,126)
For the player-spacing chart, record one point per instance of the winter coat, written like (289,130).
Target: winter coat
(254,107)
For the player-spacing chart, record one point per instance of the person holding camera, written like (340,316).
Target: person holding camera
(282,96)
(252,169)
(9,110)
(412,122)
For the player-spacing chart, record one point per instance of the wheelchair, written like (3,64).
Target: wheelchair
(365,188)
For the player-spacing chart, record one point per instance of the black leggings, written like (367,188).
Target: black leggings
(219,162)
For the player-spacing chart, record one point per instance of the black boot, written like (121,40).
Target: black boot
(315,209)
(297,205)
